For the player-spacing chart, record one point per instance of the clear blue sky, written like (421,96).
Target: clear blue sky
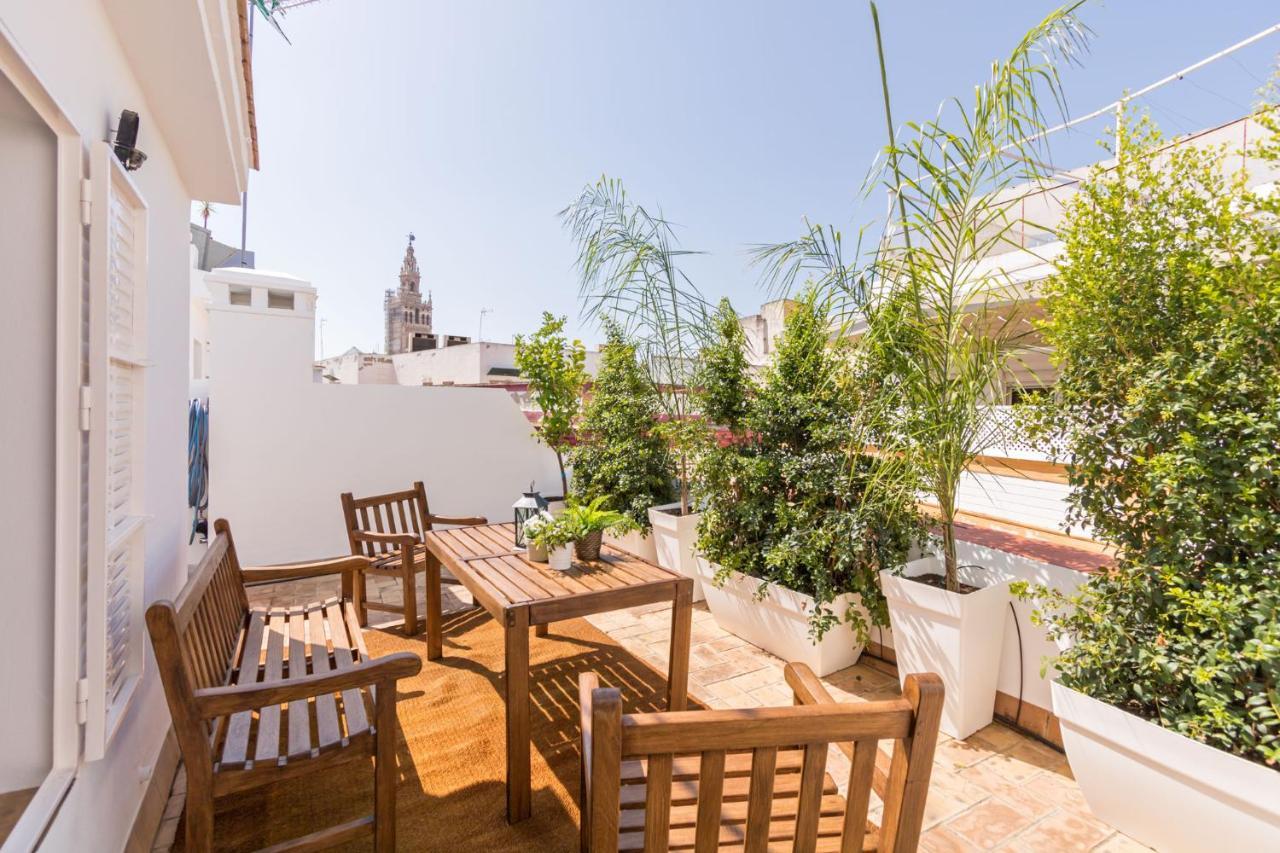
(472,123)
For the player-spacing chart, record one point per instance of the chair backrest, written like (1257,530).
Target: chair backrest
(699,742)
(396,512)
(195,638)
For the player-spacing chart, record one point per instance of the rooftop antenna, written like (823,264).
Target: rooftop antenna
(480,331)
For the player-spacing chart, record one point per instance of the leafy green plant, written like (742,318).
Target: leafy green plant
(583,519)
(787,498)
(934,328)
(556,370)
(628,267)
(1165,319)
(546,531)
(620,456)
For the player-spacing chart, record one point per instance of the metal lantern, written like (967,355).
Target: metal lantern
(530,505)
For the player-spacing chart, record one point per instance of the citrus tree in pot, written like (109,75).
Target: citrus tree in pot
(619,456)
(940,331)
(556,370)
(1165,318)
(791,536)
(629,270)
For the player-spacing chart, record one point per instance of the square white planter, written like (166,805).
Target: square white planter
(1163,789)
(779,622)
(635,542)
(957,636)
(673,539)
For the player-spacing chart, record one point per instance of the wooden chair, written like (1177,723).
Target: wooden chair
(756,779)
(388,529)
(228,669)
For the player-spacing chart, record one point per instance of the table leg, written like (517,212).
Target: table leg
(681,629)
(517,690)
(435,645)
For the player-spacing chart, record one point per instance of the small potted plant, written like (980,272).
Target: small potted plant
(587,522)
(551,537)
(537,551)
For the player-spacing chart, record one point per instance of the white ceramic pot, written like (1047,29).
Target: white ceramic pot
(673,539)
(779,622)
(635,542)
(537,553)
(561,559)
(957,636)
(1163,789)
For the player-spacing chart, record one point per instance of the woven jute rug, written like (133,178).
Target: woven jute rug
(451,750)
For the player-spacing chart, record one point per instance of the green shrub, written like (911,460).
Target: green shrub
(787,501)
(1165,316)
(619,456)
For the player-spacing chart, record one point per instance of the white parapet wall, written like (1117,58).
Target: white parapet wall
(283,448)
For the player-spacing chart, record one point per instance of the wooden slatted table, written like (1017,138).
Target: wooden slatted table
(520,594)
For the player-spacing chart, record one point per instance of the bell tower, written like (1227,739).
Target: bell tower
(408,317)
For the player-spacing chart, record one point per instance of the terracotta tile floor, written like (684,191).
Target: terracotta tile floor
(995,790)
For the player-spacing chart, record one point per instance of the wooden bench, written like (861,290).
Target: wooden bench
(756,779)
(388,529)
(260,696)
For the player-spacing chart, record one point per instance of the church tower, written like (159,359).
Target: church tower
(408,317)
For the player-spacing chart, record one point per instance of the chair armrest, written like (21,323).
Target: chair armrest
(805,685)
(402,540)
(462,520)
(220,701)
(311,569)
(808,690)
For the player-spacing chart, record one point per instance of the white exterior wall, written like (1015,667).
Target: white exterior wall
(27,444)
(283,448)
(73,50)
(198,352)
(1016,499)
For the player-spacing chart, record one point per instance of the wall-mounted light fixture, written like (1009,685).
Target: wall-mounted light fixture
(127,141)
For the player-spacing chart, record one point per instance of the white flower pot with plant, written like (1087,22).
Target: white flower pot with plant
(778,620)
(552,538)
(1162,789)
(958,635)
(537,550)
(674,534)
(561,558)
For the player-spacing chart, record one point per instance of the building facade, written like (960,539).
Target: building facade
(408,317)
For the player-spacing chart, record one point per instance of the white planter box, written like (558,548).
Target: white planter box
(635,542)
(779,622)
(1163,789)
(561,559)
(673,539)
(957,636)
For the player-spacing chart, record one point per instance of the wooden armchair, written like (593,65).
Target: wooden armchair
(388,529)
(259,696)
(756,779)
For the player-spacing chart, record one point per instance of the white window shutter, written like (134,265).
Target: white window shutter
(114,629)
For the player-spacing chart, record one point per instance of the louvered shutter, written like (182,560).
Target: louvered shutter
(114,632)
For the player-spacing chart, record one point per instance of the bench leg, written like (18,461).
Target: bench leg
(410,594)
(681,631)
(384,771)
(517,697)
(541,630)
(435,606)
(199,814)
